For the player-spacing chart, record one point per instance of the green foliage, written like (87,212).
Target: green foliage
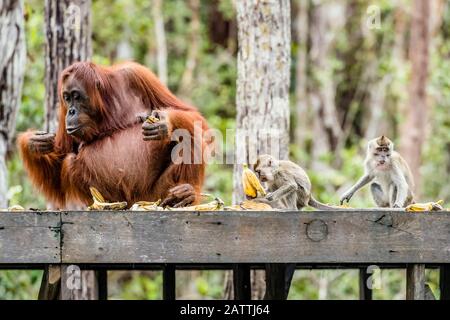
(129,24)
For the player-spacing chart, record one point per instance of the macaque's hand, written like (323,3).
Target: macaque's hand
(158,130)
(41,142)
(346,197)
(269,196)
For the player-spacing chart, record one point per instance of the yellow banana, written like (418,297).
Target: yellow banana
(96,195)
(101,204)
(16,207)
(151,119)
(428,206)
(251,183)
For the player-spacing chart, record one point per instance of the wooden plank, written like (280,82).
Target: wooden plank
(444,281)
(242,288)
(365,293)
(415,282)
(264,237)
(29,237)
(169,282)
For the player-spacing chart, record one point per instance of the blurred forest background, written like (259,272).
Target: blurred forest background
(349,83)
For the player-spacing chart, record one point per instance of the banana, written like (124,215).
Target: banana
(147,206)
(251,183)
(16,207)
(254,205)
(428,206)
(101,204)
(215,205)
(151,119)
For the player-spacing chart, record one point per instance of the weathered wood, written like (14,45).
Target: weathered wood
(241,282)
(365,293)
(278,280)
(29,237)
(245,237)
(169,283)
(415,282)
(51,283)
(77,284)
(444,281)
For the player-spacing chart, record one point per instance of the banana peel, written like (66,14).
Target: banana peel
(101,204)
(147,206)
(216,205)
(251,183)
(255,206)
(428,206)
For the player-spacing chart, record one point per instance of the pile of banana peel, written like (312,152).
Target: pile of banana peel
(216,204)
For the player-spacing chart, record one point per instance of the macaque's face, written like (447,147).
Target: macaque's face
(264,168)
(381,156)
(80,114)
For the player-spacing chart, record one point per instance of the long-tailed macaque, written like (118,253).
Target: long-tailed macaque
(392,179)
(288,184)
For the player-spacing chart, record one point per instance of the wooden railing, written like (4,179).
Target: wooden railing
(238,240)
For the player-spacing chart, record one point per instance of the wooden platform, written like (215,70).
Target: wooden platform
(125,239)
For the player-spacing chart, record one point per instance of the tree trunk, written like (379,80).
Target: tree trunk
(326,125)
(303,116)
(414,128)
(160,36)
(68,39)
(264,58)
(193,50)
(12,68)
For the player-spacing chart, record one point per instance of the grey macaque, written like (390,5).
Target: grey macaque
(392,179)
(288,184)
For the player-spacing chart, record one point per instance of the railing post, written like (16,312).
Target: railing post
(242,282)
(50,283)
(444,281)
(415,282)
(365,293)
(278,280)
(102,276)
(169,282)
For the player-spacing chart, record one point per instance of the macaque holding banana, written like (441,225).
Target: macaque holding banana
(392,179)
(288,184)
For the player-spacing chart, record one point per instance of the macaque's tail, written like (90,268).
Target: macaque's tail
(319,205)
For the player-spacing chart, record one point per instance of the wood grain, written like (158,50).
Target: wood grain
(29,237)
(246,237)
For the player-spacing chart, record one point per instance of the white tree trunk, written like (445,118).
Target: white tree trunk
(264,59)
(262,100)
(68,39)
(12,68)
(160,37)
